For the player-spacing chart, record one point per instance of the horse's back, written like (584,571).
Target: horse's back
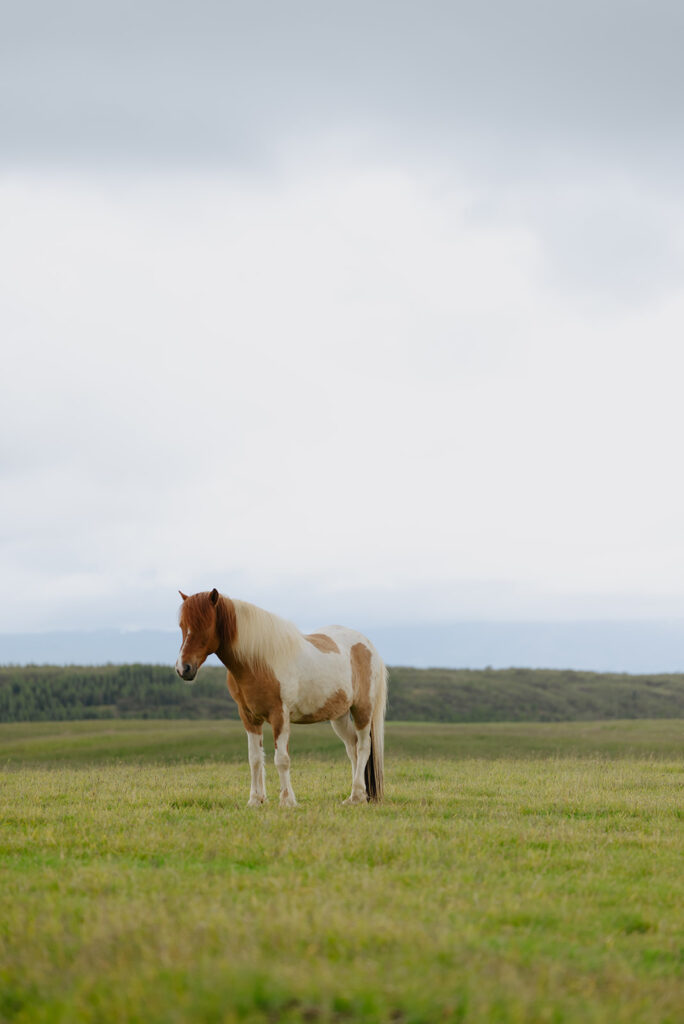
(337,666)
(346,640)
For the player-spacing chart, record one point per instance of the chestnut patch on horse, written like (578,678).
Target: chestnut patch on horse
(334,706)
(361,708)
(323,643)
(257,694)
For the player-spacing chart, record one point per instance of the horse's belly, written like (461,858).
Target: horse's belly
(336,704)
(320,700)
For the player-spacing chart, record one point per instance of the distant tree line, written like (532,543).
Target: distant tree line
(54,693)
(530,695)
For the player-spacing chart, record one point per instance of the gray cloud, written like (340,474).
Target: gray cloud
(602,237)
(503,88)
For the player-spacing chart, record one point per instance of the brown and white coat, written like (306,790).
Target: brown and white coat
(277,674)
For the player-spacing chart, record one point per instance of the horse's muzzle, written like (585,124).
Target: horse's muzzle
(186,672)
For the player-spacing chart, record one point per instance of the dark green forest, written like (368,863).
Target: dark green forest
(56,693)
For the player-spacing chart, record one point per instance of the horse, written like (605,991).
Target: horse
(277,674)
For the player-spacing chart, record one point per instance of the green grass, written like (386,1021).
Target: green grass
(514,874)
(173,742)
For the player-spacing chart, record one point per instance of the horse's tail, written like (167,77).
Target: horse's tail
(374,774)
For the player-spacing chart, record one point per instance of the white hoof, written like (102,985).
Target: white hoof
(356,798)
(256,801)
(287,800)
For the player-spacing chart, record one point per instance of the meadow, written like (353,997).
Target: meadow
(515,873)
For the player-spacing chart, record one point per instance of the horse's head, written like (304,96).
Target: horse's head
(198,621)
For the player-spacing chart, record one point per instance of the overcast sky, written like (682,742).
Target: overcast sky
(366,312)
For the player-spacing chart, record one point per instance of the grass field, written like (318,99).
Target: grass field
(515,873)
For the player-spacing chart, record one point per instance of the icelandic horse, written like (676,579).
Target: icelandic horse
(281,676)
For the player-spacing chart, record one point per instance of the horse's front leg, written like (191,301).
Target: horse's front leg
(257,790)
(281,737)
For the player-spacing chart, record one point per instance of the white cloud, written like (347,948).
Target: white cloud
(339,384)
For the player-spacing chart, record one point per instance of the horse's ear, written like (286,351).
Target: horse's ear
(184,596)
(214,596)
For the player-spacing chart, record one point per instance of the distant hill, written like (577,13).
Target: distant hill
(635,647)
(53,693)
(530,695)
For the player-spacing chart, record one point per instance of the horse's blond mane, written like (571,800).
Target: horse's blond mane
(263,638)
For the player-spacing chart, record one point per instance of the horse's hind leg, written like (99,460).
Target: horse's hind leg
(257,791)
(281,736)
(344,728)
(363,749)
(361,741)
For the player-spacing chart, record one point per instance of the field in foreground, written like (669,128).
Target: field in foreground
(514,874)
